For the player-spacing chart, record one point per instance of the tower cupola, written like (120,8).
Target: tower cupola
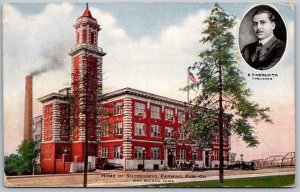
(87,29)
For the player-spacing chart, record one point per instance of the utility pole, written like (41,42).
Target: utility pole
(221,160)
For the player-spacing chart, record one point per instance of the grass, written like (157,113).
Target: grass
(269,181)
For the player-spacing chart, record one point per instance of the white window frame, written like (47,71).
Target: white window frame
(118,108)
(118,152)
(169,114)
(216,155)
(182,154)
(181,117)
(139,109)
(155,112)
(155,153)
(118,128)
(196,155)
(182,134)
(169,132)
(138,152)
(155,131)
(104,152)
(104,130)
(139,129)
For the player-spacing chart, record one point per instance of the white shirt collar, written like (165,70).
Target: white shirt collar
(264,41)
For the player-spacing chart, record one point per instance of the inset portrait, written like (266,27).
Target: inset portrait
(262,37)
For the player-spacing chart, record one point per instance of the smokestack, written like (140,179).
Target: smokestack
(28,108)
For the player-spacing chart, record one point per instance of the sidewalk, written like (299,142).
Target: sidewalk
(133,178)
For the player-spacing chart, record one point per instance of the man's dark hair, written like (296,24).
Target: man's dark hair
(271,15)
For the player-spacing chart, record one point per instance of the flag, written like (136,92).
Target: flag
(191,77)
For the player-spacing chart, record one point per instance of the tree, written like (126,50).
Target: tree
(13,165)
(223,95)
(24,161)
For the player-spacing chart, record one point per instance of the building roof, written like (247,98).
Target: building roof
(52,96)
(144,94)
(87,12)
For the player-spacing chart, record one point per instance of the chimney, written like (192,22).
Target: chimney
(28,108)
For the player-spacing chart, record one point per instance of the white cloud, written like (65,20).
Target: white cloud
(146,63)
(150,63)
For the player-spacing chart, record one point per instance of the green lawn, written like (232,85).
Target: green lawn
(270,181)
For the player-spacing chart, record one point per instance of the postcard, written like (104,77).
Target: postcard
(170,94)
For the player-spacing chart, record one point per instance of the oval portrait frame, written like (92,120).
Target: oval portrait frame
(246,34)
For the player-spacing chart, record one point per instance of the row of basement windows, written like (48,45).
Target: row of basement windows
(139,152)
(140,110)
(140,130)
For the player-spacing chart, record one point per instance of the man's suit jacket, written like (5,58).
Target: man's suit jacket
(270,53)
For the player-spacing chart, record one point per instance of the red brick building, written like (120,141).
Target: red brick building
(140,124)
(129,127)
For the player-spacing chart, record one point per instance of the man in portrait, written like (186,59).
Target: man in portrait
(268,50)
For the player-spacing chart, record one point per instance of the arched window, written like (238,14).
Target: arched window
(84,36)
(77,38)
(92,39)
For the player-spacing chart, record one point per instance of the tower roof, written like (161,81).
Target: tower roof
(87,12)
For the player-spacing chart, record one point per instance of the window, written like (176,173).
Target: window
(181,117)
(64,130)
(138,152)
(155,131)
(84,36)
(118,129)
(104,130)
(169,114)
(139,129)
(91,131)
(169,132)
(104,152)
(118,152)
(48,121)
(104,111)
(155,153)
(155,112)
(182,154)
(215,155)
(77,38)
(92,40)
(118,108)
(217,139)
(182,134)
(195,155)
(37,137)
(139,109)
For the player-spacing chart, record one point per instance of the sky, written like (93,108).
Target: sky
(149,47)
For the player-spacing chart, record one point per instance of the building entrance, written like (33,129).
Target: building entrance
(171,158)
(170,153)
(206,158)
